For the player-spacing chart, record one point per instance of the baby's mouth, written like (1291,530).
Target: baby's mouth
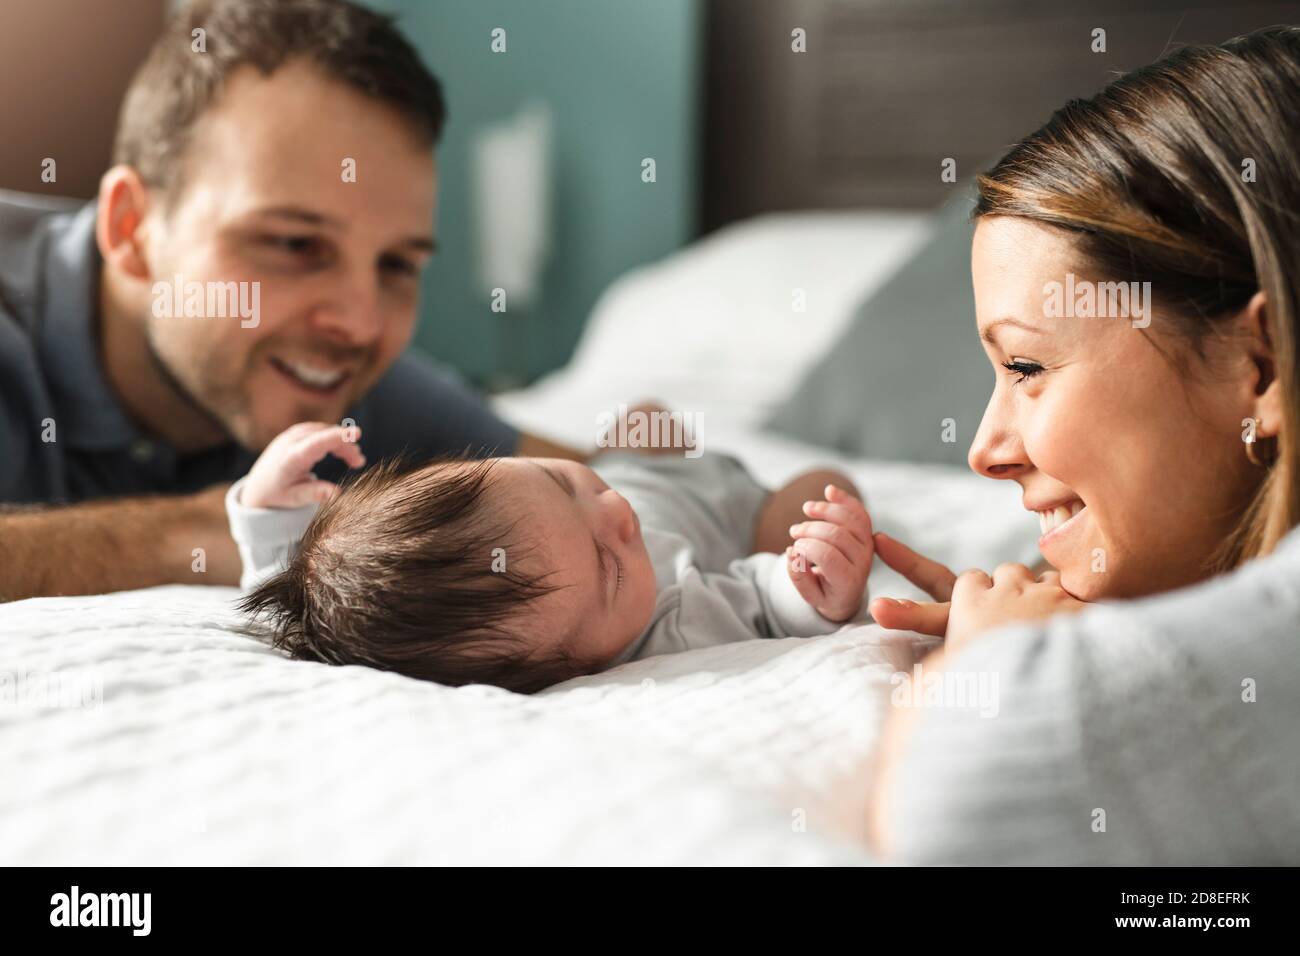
(1055,518)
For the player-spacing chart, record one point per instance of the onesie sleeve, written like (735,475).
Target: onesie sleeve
(266,537)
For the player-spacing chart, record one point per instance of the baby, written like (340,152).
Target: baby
(523,572)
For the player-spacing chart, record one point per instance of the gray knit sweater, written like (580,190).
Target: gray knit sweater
(1164,731)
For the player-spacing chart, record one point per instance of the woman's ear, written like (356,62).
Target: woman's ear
(119,226)
(1266,388)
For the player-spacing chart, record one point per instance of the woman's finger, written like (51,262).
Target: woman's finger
(930,576)
(971,582)
(1010,573)
(922,617)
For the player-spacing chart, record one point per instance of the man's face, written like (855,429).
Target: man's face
(263,198)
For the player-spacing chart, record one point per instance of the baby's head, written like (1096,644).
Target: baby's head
(517,572)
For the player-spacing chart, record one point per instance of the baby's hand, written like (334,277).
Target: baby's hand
(832,554)
(282,476)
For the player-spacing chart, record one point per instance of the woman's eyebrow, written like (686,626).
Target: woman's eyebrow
(988,336)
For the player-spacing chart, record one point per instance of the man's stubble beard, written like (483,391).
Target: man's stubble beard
(182,391)
(238,407)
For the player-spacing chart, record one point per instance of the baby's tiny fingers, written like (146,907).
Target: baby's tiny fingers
(854,519)
(337,440)
(830,561)
(839,496)
(837,536)
(309,492)
(801,576)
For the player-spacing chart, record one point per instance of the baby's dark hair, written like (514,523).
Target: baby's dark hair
(400,572)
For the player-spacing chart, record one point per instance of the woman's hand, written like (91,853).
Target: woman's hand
(969,605)
(981,603)
(930,576)
(282,477)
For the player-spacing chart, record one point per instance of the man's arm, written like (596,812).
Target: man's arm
(116,545)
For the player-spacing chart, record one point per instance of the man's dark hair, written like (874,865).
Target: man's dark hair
(397,572)
(348,43)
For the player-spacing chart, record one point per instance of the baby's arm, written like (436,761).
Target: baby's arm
(819,583)
(271,506)
(785,507)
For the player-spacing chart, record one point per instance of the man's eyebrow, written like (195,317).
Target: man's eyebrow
(302,214)
(987,333)
(421,244)
(312,218)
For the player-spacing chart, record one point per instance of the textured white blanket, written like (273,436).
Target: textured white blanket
(198,745)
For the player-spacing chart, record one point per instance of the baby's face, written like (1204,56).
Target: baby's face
(590,538)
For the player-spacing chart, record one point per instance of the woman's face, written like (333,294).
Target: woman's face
(1137,470)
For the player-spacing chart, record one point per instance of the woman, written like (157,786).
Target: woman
(1153,428)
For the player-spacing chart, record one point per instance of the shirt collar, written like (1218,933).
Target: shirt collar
(89,413)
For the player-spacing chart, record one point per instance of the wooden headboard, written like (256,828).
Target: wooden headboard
(887,89)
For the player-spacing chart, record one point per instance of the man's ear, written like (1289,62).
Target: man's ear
(119,227)
(1266,388)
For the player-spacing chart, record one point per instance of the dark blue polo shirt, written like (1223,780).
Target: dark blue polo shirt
(52,385)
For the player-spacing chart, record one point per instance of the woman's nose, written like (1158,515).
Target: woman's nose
(997,451)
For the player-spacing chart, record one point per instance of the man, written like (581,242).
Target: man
(277,156)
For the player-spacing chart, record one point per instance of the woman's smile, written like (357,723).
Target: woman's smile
(1058,521)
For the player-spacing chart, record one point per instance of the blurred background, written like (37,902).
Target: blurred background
(746,107)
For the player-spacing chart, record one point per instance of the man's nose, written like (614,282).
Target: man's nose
(350,316)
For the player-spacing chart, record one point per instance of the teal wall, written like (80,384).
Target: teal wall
(622,81)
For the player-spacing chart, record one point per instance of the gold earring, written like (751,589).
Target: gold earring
(1252,455)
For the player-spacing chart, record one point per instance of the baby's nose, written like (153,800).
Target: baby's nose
(626,524)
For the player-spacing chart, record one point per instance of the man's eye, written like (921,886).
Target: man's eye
(396,265)
(295,245)
(1022,367)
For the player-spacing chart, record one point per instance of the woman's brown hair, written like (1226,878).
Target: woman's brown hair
(1186,173)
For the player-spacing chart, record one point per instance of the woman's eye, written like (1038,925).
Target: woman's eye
(1023,368)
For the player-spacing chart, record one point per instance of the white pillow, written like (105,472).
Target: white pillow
(714,329)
